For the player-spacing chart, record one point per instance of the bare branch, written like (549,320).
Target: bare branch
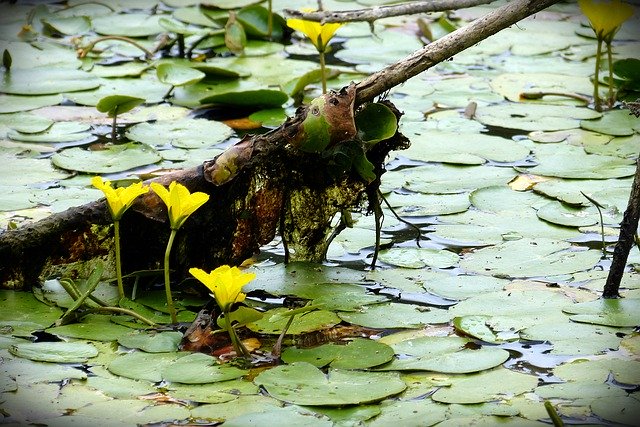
(374,13)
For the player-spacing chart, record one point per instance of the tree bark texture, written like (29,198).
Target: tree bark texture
(275,188)
(628,229)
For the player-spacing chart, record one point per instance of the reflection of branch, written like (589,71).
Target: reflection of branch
(374,13)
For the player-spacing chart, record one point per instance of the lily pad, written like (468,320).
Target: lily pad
(409,413)
(143,366)
(511,85)
(57,132)
(162,342)
(574,338)
(119,387)
(447,179)
(116,104)
(115,158)
(444,354)
(217,392)
(93,327)
(178,75)
(477,327)
(623,410)
(15,103)
(289,416)
(608,312)
(274,321)
(46,81)
(417,204)
(616,122)
(183,133)
(142,87)
(395,315)
(71,25)
(485,387)
(57,352)
(418,257)
(532,117)
(568,216)
(357,354)
(199,368)
(303,384)
(128,25)
(529,258)
(598,371)
(462,287)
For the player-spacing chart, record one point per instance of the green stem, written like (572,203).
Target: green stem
(596,78)
(92,282)
(270,19)
(322,73)
(113,128)
(240,349)
(167,283)
(120,310)
(116,229)
(90,46)
(609,60)
(553,414)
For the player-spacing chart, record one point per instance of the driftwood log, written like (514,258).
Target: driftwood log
(276,189)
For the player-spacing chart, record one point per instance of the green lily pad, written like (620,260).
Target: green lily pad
(15,103)
(289,416)
(462,287)
(46,81)
(143,366)
(57,132)
(417,204)
(616,122)
(623,312)
(231,4)
(357,354)
(529,258)
(199,368)
(394,315)
(454,147)
(349,414)
(178,75)
(274,321)
(612,192)
(624,371)
(183,133)
(26,372)
(128,25)
(162,342)
(71,25)
(477,327)
(568,216)
(418,257)
(532,117)
(116,104)
(567,161)
(128,69)
(447,179)
(57,352)
(142,87)
(93,327)
(303,384)
(261,97)
(23,309)
(511,85)
(623,410)
(574,338)
(255,19)
(485,387)
(218,392)
(270,118)
(409,413)
(444,354)
(115,158)
(234,408)
(120,388)
(585,390)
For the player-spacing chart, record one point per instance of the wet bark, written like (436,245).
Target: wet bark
(628,230)
(277,188)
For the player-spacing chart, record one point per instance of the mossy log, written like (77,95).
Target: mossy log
(274,188)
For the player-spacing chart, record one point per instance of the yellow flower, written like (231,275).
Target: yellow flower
(225,282)
(606,17)
(318,33)
(180,202)
(119,199)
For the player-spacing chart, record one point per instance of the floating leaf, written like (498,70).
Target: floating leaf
(444,354)
(447,179)
(289,416)
(217,392)
(72,25)
(57,352)
(162,342)
(25,308)
(623,410)
(608,312)
(15,103)
(115,158)
(357,354)
(574,338)
(178,75)
(119,387)
(476,326)
(46,81)
(616,122)
(418,257)
(529,258)
(116,104)
(182,133)
(274,321)
(199,368)
(143,366)
(128,25)
(255,22)
(57,132)
(395,315)
(532,117)
(303,384)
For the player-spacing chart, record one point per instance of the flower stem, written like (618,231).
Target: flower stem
(322,73)
(237,344)
(610,60)
(270,19)
(596,78)
(116,229)
(167,283)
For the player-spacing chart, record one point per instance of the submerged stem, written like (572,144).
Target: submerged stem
(167,283)
(116,229)
(237,344)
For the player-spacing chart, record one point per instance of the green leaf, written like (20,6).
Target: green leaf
(317,134)
(395,315)
(532,117)
(260,97)
(56,352)
(178,75)
(420,412)
(71,25)
(627,68)
(608,312)
(93,327)
(117,104)
(240,317)
(574,338)
(199,368)
(357,354)
(46,81)
(15,103)
(235,37)
(273,322)
(128,24)
(375,123)
(162,342)
(143,366)
(115,158)
(477,327)
(57,132)
(623,410)
(183,133)
(615,122)
(303,384)
(418,257)
(255,22)
(218,392)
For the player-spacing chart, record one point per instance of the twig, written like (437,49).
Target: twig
(372,14)
(540,95)
(599,207)
(88,48)
(402,220)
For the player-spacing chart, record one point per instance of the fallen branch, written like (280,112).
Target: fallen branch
(375,13)
(277,188)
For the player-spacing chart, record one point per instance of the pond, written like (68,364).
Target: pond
(484,303)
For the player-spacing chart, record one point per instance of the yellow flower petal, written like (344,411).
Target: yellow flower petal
(319,34)
(119,199)
(606,17)
(180,202)
(226,284)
